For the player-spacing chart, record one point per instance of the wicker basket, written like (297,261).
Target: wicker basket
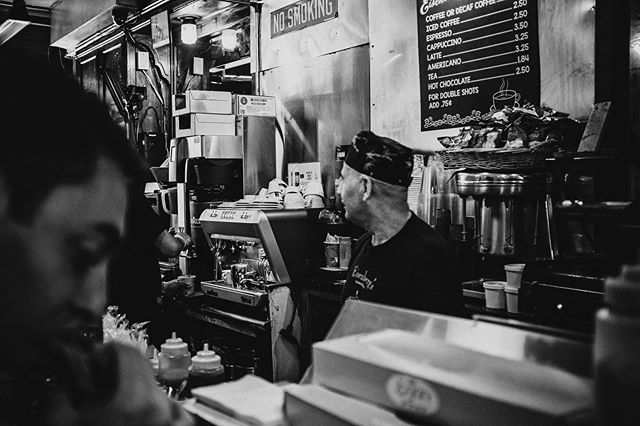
(493,159)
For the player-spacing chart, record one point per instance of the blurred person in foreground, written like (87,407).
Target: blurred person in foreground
(400,261)
(133,277)
(64,172)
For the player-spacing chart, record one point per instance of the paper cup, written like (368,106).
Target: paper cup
(494,295)
(512,299)
(345,252)
(189,282)
(514,274)
(332,254)
(227,277)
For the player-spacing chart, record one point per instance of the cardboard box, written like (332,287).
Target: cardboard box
(254,105)
(431,381)
(205,124)
(311,405)
(202,102)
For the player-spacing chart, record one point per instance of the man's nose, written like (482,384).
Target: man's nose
(92,293)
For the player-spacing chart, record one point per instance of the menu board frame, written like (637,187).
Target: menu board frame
(475,57)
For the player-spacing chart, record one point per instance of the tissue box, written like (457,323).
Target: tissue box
(431,381)
(255,105)
(202,101)
(205,124)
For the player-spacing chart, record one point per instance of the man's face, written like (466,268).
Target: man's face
(57,282)
(350,191)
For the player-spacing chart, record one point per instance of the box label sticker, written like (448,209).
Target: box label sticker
(412,394)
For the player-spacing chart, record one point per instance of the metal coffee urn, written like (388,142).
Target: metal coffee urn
(513,213)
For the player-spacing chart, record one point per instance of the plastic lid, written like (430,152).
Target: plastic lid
(206,360)
(174,346)
(623,292)
(512,290)
(494,285)
(514,267)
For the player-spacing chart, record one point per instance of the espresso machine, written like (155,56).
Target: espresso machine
(210,169)
(207,170)
(260,260)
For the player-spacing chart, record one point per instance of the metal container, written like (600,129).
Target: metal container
(509,208)
(502,184)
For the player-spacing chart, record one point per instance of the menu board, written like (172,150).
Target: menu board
(476,56)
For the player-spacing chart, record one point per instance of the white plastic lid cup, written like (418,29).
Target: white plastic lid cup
(494,295)
(514,274)
(512,299)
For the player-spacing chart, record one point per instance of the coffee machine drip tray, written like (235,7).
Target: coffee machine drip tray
(220,290)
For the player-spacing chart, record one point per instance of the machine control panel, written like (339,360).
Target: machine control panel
(234,216)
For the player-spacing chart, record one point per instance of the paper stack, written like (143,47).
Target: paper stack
(251,399)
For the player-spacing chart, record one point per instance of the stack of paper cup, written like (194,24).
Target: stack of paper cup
(512,299)
(514,278)
(514,274)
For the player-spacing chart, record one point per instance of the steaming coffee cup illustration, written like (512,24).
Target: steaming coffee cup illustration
(505,98)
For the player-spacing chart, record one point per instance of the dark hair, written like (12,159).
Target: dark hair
(51,133)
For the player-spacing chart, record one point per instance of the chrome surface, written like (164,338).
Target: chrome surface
(350,29)
(258,145)
(497,234)
(230,321)
(324,102)
(237,295)
(241,225)
(502,184)
(498,340)
(214,146)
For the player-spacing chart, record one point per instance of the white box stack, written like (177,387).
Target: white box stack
(204,113)
(205,124)
(202,102)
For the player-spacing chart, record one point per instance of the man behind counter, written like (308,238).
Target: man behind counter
(401,260)
(63,192)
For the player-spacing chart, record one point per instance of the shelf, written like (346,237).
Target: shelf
(230,65)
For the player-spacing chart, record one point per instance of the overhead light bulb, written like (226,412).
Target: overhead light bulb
(636,47)
(229,39)
(188,30)
(15,20)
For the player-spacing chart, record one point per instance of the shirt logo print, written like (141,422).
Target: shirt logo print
(362,280)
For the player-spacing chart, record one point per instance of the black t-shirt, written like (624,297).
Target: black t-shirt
(134,273)
(415,269)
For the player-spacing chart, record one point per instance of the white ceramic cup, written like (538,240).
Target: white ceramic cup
(276,186)
(293,198)
(314,188)
(227,277)
(313,201)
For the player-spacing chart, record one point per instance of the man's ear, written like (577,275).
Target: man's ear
(366,185)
